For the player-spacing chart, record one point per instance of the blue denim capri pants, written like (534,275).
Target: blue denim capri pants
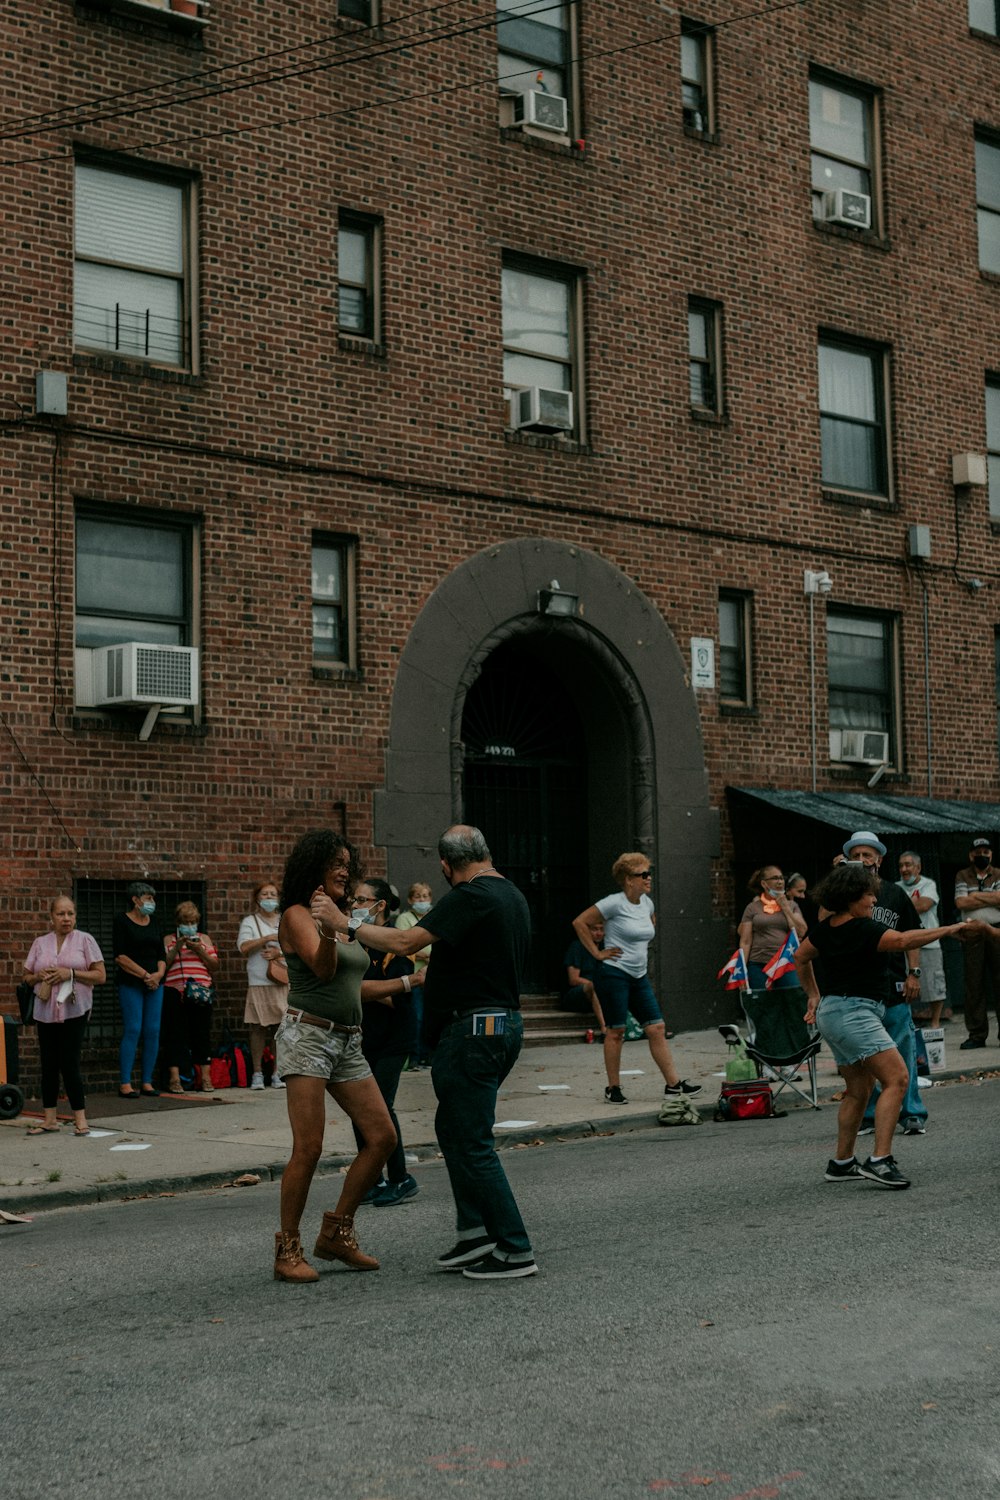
(851,1026)
(619,993)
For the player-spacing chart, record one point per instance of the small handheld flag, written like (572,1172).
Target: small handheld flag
(783,961)
(736,968)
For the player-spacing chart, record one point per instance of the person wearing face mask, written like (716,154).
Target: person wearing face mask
(388,991)
(192,963)
(924,894)
(765,924)
(139,968)
(977,897)
(419,903)
(267,978)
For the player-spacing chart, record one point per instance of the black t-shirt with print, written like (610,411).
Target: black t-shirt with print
(894,909)
(388,1030)
(483,928)
(849,962)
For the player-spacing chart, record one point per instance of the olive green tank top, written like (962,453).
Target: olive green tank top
(336,999)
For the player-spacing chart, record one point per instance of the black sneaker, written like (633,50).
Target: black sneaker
(914,1127)
(493,1269)
(682,1087)
(884,1172)
(614,1095)
(396,1192)
(466,1253)
(969,1043)
(373,1192)
(846,1171)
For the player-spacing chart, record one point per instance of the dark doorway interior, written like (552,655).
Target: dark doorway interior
(525,785)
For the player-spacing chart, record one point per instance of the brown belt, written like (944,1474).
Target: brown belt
(303,1015)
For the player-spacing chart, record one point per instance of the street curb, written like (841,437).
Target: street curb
(329,1166)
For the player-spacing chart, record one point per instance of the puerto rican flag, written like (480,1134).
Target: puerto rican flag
(736,968)
(783,961)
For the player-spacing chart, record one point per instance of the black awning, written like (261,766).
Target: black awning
(850,811)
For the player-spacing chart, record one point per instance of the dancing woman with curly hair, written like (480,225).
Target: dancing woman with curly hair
(318,1049)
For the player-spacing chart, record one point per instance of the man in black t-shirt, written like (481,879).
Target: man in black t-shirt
(472,1008)
(895,910)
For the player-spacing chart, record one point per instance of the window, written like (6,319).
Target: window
(360,10)
(993,446)
(861,673)
(988,204)
(984,15)
(332,601)
(735,685)
(853,417)
(133,579)
(704,349)
(540,339)
(132,278)
(358,252)
(696,76)
(841,134)
(534,49)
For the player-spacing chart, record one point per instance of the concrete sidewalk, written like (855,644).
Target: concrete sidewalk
(552,1092)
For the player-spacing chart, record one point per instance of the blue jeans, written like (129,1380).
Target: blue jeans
(467,1072)
(898,1023)
(141,1010)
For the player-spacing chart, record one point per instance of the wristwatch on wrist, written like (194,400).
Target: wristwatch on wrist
(913,973)
(353,923)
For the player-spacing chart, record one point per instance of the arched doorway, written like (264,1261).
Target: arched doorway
(525,784)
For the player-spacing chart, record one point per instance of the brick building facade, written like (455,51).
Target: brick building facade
(293,262)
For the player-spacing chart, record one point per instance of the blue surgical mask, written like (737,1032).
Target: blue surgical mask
(188,929)
(361,913)
(147,908)
(421,906)
(910,879)
(269,905)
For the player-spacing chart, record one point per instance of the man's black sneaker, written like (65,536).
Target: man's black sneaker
(846,1171)
(969,1043)
(614,1095)
(466,1253)
(884,1172)
(682,1087)
(493,1269)
(914,1127)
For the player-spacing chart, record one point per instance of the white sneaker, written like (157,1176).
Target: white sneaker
(257,1081)
(276,1082)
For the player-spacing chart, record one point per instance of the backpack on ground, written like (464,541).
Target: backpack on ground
(678,1109)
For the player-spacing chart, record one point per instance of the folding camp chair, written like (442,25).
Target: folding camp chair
(779,1039)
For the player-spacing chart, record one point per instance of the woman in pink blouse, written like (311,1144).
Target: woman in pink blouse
(63,966)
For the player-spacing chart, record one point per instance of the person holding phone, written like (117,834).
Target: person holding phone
(188,996)
(765,924)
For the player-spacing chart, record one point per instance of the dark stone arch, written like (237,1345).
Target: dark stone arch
(620,634)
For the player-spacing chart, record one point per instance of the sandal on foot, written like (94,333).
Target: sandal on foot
(78,1131)
(44,1130)
(175,1088)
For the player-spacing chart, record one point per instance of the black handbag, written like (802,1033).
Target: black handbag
(26,1002)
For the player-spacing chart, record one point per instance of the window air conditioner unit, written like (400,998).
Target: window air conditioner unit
(536,409)
(866,747)
(137,675)
(845,207)
(544,111)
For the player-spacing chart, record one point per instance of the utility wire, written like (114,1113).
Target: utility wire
(32,773)
(422,94)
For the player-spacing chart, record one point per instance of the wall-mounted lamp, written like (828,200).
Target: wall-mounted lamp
(556,601)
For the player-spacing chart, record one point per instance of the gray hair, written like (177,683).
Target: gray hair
(140,888)
(463,845)
(912,854)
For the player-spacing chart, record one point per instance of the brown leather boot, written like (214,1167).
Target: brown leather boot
(337,1241)
(289,1262)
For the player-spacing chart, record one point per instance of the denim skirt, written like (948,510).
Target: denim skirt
(852,1028)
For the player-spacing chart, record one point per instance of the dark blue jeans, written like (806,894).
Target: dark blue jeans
(467,1072)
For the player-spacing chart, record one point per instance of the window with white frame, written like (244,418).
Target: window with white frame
(988,203)
(697,105)
(534,49)
(705,354)
(358,280)
(333,634)
(132,271)
(993,445)
(134,578)
(735,621)
(842,128)
(984,15)
(853,422)
(540,333)
(861,674)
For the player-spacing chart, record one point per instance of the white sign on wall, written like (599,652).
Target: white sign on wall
(702,661)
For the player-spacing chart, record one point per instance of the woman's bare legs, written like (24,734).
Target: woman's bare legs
(613,1039)
(656,1036)
(888,1069)
(364,1106)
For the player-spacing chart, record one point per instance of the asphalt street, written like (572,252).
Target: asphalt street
(710,1318)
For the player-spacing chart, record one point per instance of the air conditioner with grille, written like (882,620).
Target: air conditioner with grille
(845,207)
(536,409)
(866,747)
(544,111)
(134,674)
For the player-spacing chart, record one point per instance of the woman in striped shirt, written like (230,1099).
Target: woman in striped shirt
(187,1016)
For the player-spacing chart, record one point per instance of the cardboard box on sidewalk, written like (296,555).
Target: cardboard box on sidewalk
(934,1044)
